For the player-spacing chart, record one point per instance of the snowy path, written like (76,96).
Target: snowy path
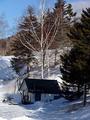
(56,110)
(11,111)
(37,111)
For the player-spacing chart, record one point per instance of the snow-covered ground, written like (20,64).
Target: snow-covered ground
(56,110)
(60,109)
(6,72)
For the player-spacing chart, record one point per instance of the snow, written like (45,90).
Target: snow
(60,109)
(6,72)
(56,110)
(23,118)
(2,118)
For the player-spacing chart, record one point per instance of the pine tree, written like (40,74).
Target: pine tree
(75,67)
(80,32)
(67,17)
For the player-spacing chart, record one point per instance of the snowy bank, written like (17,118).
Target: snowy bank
(56,110)
(6,72)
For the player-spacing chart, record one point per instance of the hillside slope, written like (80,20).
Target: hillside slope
(6,72)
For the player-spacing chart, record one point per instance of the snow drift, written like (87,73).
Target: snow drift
(6,71)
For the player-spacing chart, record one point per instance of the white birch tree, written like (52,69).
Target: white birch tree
(42,31)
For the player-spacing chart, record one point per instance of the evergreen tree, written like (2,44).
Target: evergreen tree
(75,67)
(67,17)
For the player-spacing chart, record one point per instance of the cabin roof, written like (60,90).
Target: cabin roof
(42,86)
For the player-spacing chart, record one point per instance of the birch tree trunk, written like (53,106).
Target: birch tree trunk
(42,37)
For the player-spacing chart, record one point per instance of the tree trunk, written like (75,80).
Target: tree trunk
(48,64)
(78,88)
(55,57)
(42,36)
(84,95)
(42,64)
(44,54)
(28,70)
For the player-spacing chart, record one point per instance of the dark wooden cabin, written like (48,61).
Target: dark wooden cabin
(39,90)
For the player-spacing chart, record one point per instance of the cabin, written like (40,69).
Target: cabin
(32,90)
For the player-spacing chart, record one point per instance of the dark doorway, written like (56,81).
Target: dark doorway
(37,96)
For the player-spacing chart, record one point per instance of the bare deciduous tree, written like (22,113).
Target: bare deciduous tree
(40,30)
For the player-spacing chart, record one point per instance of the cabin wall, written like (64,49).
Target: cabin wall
(44,97)
(47,97)
(23,87)
(31,97)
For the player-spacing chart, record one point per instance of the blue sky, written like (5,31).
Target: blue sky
(12,10)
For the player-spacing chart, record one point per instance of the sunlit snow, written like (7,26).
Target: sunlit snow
(60,109)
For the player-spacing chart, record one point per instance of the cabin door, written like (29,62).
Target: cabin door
(37,96)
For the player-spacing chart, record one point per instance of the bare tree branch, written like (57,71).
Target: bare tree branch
(23,43)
